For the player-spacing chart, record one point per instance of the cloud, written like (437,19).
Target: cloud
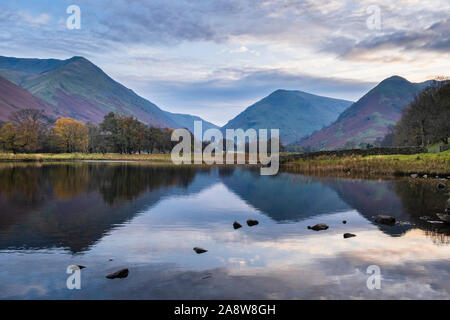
(433,38)
(35,20)
(230,91)
(192,55)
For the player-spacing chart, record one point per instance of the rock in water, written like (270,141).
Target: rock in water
(318,227)
(344,222)
(349,235)
(252,223)
(237,225)
(199,250)
(440,186)
(388,220)
(118,274)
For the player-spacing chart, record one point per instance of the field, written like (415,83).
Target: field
(84,156)
(395,165)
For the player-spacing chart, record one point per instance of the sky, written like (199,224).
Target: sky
(214,58)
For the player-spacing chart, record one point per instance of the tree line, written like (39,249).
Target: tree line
(31,131)
(425,121)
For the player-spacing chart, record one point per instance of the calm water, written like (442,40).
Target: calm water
(148,219)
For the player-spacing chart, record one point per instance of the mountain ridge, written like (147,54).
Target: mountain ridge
(368,118)
(296,113)
(80,89)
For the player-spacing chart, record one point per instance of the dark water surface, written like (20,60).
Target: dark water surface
(148,219)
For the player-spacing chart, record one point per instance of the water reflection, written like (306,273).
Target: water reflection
(148,218)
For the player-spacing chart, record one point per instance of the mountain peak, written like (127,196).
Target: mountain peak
(394,78)
(74,58)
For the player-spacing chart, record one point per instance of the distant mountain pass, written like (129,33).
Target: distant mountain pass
(295,113)
(187,121)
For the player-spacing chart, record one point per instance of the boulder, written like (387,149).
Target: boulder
(199,250)
(252,223)
(318,227)
(237,225)
(349,235)
(388,220)
(118,274)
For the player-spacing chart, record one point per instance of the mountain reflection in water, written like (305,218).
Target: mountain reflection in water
(149,217)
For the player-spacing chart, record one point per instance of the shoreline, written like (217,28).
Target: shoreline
(431,165)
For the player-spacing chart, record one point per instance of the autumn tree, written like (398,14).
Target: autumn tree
(9,138)
(32,128)
(70,135)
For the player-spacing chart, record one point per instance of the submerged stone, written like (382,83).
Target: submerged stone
(319,227)
(199,250)
(349,235)
(118,274)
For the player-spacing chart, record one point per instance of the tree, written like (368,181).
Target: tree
(427,119)
(71,135)
(32,128)
(97,141)
(9,137)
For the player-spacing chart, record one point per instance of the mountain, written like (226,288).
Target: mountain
(187,121)
(14,98)
(30,66)
(79,89)
(369,117)
(295,113)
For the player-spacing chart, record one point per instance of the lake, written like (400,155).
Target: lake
(110,216)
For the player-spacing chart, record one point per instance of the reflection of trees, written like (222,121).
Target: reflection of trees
(67,208)
(405,199)
(126,182)
(69,181)
(30,184)
(422,198)
(23,184)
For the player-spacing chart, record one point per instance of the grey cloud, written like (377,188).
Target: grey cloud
(434,38)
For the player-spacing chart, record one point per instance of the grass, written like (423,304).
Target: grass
(395,165)
(84,156)
(52,157)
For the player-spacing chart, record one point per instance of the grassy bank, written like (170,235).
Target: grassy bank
(84,156)
(395,165)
